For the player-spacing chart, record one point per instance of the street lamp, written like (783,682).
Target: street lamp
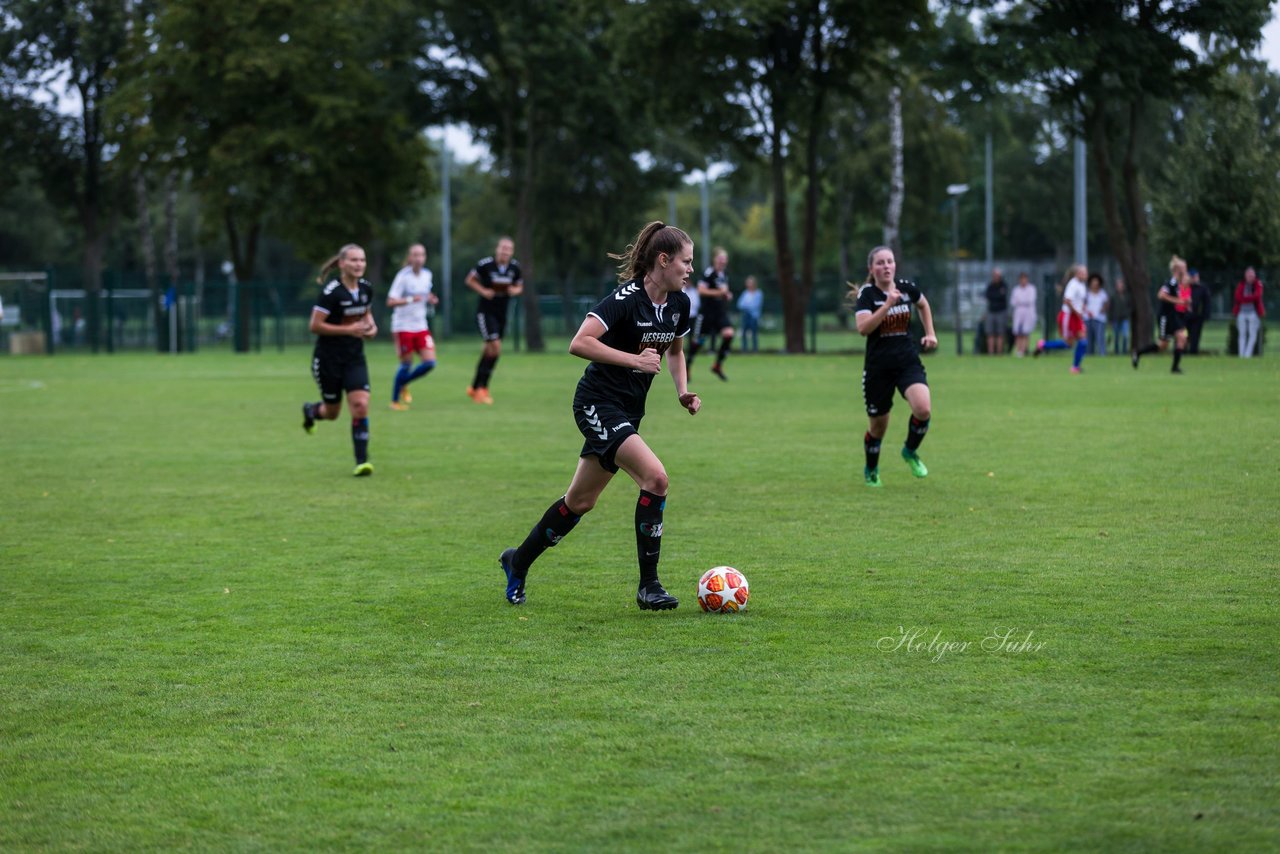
(955,191)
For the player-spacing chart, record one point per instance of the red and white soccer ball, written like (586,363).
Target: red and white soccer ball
(723,590)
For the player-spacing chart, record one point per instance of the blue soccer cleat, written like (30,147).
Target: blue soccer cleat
(515,586)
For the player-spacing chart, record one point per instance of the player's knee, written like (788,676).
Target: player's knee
(922,413)
(360,409)
(656,482)
(580,505)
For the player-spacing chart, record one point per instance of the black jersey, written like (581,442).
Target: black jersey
(632,324)
(500,280)
(343,308)
(892,337)
(1169,288)
(714,307)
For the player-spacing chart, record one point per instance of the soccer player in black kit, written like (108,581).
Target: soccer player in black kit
(1174,305)
(496,279)
(882,310)
(623,338)
(342,320)
(713,316)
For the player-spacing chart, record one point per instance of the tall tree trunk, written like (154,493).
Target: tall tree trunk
(1130,252)
(171,227)
(524,236)
(147,246)
(897,181)
(793,303)
(809,237)
(171,247)
(90,213)
(243,259)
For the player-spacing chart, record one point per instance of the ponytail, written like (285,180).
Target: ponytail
(332,264)
(641,254)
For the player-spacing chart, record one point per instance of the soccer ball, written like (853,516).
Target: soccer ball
(723,590)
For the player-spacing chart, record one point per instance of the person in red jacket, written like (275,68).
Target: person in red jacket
(1248,311)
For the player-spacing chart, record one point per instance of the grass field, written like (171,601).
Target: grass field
(215,638)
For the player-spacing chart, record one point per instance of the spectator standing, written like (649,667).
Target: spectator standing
(997,319)
(1119,314)
(1096,303)
(751,304)
(1023,300)
(1248,311)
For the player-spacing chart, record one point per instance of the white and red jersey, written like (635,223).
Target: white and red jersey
(411,317)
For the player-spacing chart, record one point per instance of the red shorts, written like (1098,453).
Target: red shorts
(1070,324)
(408,343)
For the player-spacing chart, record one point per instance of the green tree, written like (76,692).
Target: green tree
(1215,200)
(298,117)
(537,83)
(763,75)
(1106,66)
(54,82)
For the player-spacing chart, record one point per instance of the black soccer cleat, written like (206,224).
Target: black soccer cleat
(515,586)
(308,423)
(718,371)
(654,598)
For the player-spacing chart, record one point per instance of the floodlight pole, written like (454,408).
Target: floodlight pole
(446,231)
(706,221)
(955,191)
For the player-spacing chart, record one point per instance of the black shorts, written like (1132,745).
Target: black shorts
(335,375)
(712,317)
(879,381)
(605,426)
(492,326)
(1171,323)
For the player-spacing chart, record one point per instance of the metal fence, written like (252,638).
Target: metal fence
(48,312)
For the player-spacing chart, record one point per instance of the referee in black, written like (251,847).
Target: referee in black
(624,338)
(882,310)
(496,279)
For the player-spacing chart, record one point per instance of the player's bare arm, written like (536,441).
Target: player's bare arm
(586,344)
(476,285)
(333,330)
(680,375)
(869,321)
(930,339)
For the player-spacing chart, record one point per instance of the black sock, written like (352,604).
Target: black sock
(1177,357)
(484,370)
(1150,348)
(360,438)
(915,433)
(726,344)
(871,445)
(649,509)
(553,527)
(694,347)
(313,411)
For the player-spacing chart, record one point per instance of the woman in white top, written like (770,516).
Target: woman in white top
(1022,299)
(1096,303)
(409,296)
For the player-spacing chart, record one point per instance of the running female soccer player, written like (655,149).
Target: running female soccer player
(496,280)
(882,309)
(623,338)
(713,314)
(1071,319)
(409,296)
(342,320)
(1174,297)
